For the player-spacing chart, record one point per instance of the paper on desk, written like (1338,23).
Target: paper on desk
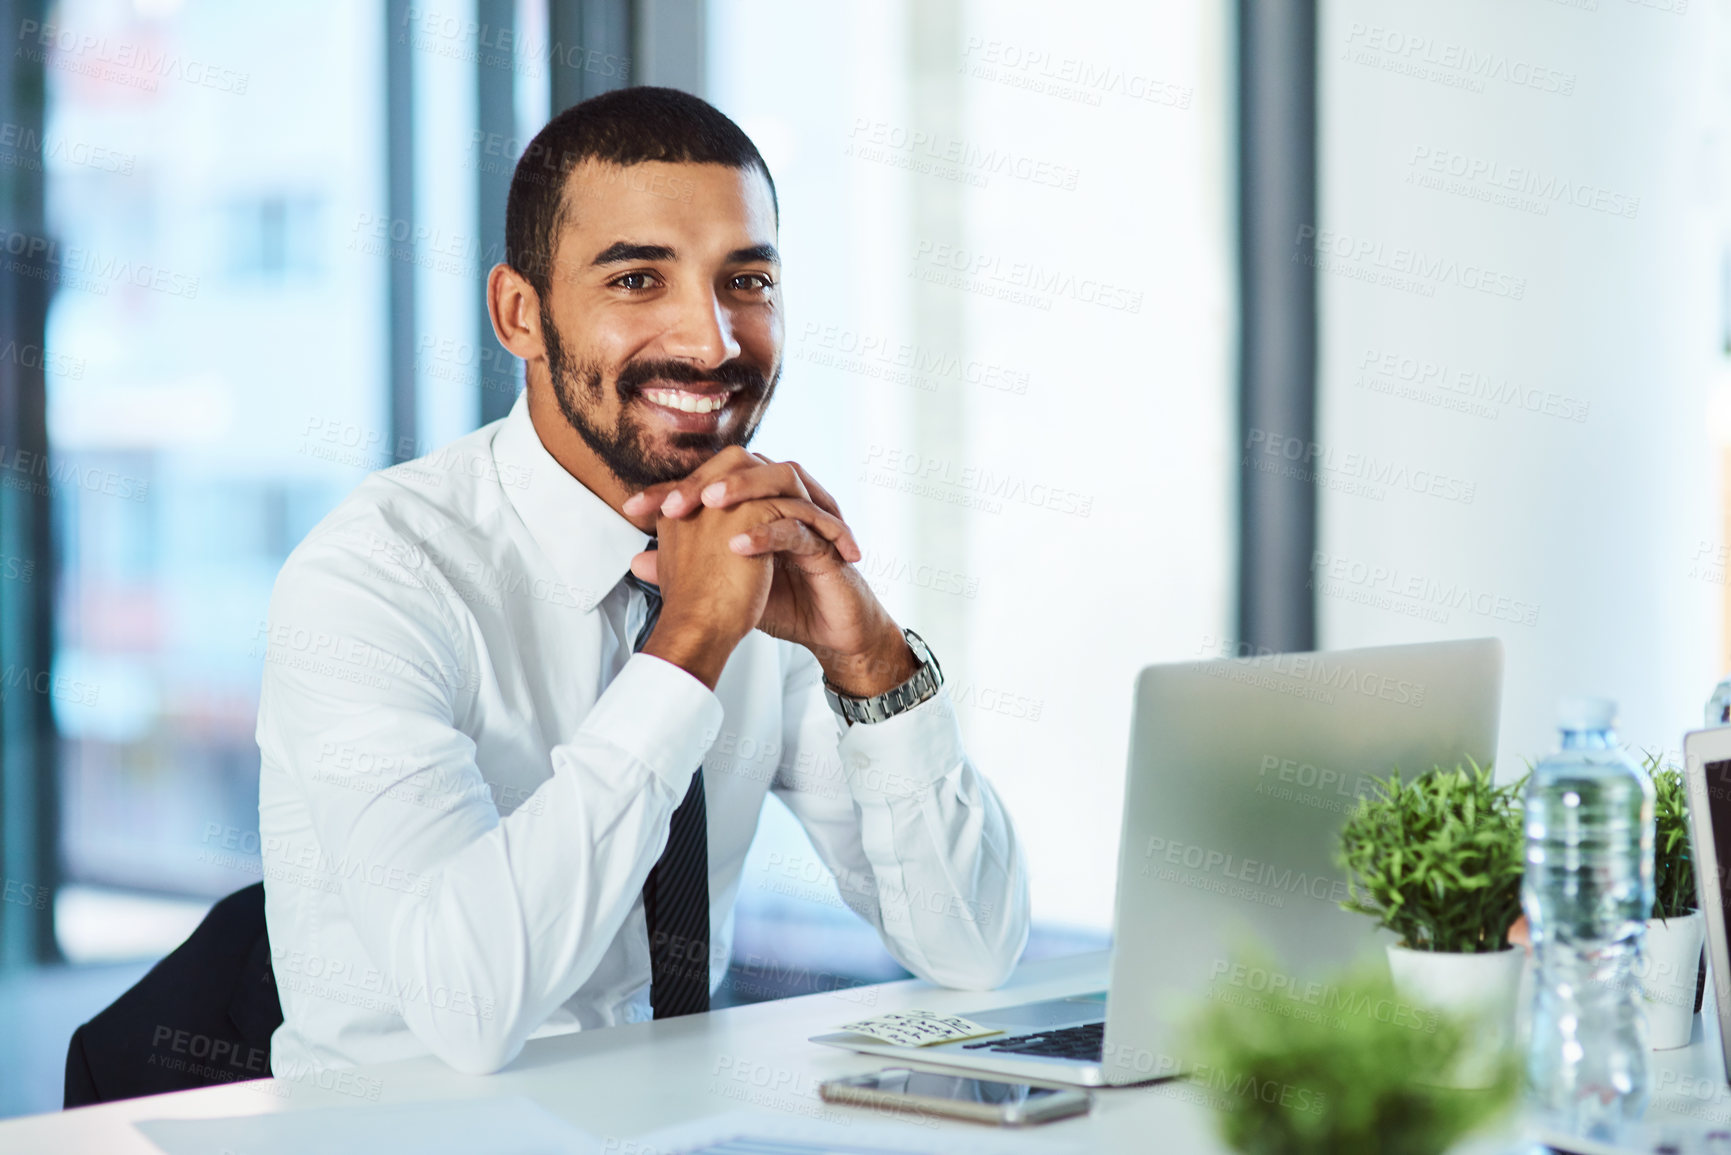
(919,1028)
(773,1133)
(512,1126)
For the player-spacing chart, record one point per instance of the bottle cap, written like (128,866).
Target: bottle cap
(1586,713)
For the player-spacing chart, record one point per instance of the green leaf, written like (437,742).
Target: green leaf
(1346,1076)
(1438,860)
(1673,863)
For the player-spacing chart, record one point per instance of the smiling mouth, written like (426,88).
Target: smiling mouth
(686,401)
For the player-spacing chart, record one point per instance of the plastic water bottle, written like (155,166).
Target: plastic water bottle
(1719,705)
(1587,893)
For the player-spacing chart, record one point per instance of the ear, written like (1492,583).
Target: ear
(515,309)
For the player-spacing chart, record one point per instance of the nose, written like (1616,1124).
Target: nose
(702,330)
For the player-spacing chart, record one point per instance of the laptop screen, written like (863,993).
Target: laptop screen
(1718,775)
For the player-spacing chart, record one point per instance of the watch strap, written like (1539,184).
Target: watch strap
(920,688)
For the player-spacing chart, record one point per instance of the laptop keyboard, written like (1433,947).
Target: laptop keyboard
(1086,1042)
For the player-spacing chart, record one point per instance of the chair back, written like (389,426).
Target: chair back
(203,1016)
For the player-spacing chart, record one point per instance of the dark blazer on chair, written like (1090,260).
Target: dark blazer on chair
(202,1016)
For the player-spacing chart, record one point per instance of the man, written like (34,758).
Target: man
(512,758)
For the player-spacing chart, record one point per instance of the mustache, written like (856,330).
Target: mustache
(734,374)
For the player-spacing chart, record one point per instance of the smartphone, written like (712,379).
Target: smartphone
(957,1096)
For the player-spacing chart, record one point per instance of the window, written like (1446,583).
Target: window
(217,385)
(1008,353)
(1008,282)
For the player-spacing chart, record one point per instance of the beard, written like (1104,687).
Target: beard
(625,450)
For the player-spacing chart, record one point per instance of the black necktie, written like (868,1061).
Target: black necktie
(676,893)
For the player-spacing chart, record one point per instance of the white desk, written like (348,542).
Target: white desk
(627,1081)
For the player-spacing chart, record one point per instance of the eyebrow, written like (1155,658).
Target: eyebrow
(624,252)
(764,253)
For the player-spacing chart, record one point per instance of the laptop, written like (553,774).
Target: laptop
(1241,773)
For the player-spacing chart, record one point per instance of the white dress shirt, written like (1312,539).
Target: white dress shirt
(467,776)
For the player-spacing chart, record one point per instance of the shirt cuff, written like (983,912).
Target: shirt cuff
(904,755)
(661,716)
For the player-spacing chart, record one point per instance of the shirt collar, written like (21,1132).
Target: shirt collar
(589,543)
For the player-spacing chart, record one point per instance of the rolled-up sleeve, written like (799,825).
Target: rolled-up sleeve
(507,916)
(919,844)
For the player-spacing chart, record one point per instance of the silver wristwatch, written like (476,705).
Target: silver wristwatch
(922,687)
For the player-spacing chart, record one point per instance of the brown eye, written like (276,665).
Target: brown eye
(752,283)
(635,282)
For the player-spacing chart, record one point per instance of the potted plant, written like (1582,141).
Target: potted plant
(1671,957)
(1438,861)
(1352,1079)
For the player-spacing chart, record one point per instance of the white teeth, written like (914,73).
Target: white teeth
(685,402)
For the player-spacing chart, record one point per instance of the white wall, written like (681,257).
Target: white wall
(1575,538)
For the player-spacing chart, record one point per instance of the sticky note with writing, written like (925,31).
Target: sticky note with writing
(919,1028)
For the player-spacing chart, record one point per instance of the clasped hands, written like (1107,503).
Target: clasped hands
(748,543)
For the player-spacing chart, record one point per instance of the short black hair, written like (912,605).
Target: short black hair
(624,127)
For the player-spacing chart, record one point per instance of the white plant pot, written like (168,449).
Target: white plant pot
(1670,964)
(1479,990)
